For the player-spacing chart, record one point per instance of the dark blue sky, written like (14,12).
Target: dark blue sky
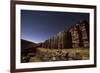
(37,26)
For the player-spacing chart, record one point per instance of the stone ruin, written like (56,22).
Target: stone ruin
(77,36)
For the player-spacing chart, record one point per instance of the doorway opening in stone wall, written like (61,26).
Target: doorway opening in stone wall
(48,36)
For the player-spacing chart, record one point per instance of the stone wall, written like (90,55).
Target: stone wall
(75,37)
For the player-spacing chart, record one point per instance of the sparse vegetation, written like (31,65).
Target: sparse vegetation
(44,54)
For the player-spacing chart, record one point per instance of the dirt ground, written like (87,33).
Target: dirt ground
(44,54)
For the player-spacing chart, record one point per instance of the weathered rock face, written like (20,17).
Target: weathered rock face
(75,37)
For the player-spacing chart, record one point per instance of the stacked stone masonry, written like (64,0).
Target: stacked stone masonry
(77,36)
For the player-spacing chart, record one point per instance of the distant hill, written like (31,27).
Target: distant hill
(27,44)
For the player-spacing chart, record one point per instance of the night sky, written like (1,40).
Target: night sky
(37,26)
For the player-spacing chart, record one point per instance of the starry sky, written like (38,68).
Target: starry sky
(37,26)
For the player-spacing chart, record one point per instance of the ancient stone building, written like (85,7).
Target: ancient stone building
(62,39)
(84,28)
(80,34)
(74,37)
